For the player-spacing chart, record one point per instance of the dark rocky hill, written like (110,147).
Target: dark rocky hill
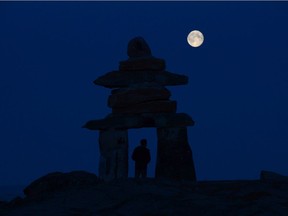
(83,194)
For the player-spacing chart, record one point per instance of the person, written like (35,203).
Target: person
(141,156)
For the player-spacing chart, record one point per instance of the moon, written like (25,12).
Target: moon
(195,38)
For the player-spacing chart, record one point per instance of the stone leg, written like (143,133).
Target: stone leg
(113,162)
(174,155)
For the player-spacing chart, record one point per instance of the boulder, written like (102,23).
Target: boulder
(163,106)
(130,96)
(150,63)
(117,122)
(113,162)
(174,155)
(137,47)
(172,120)
(126,121)
(268,176)
(58,181)
(136,86)
(123,79)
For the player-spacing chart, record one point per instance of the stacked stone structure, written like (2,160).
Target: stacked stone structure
(139,98)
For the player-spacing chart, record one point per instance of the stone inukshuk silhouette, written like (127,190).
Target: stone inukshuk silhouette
(139,99)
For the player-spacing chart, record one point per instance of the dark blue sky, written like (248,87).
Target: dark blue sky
(50,52)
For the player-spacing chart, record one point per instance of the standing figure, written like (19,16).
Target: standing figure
(141,156)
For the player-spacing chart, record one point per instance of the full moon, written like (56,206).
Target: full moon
(195,38)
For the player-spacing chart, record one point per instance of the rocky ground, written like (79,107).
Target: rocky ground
(82,194)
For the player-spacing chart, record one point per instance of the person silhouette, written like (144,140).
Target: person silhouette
(141,156)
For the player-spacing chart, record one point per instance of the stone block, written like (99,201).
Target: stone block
(123,79)
(130,96)
(164,106)
(113,162)
(126,121)
(174,155)
(173,120)
(138,47)
(142,64)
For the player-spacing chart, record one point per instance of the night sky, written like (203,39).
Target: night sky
(51,52)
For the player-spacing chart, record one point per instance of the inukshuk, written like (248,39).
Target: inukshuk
(139,99)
